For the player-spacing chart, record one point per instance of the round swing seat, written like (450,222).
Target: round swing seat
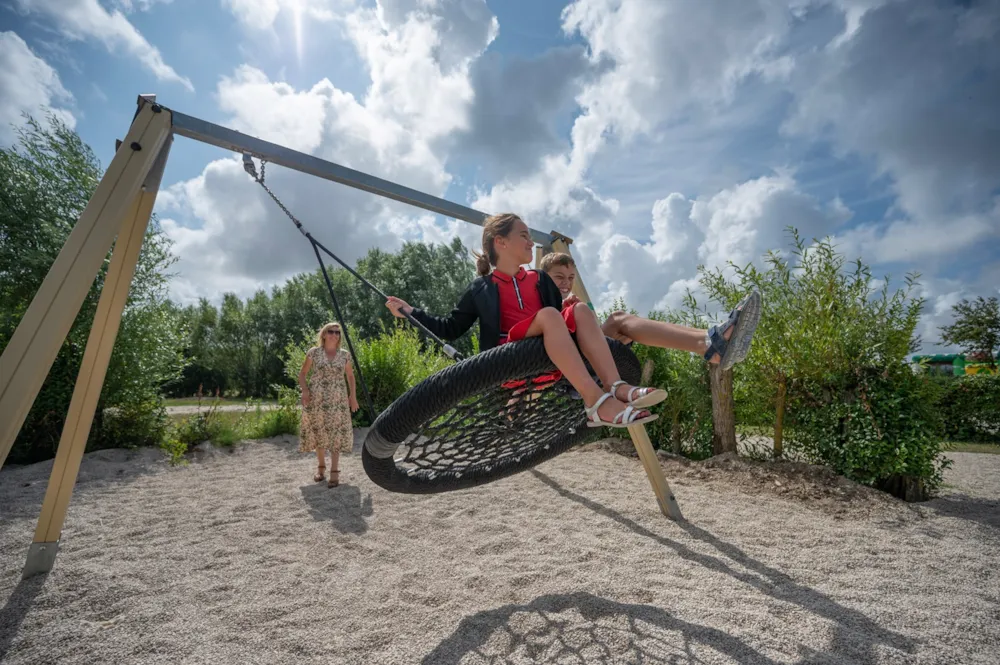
(488,417)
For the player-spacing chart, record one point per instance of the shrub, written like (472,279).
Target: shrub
(881,430)
(970,408)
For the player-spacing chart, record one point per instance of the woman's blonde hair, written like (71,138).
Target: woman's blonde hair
(321,336)
(495,226)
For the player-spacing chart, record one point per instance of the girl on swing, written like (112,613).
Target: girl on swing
(512,303)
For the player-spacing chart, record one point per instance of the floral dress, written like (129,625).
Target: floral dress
(326,422)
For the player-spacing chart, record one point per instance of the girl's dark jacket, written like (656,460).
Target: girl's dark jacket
(481,302)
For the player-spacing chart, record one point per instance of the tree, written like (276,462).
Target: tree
(976,329)
(818,318)
(46,180)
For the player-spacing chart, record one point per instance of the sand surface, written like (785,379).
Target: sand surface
(240,558)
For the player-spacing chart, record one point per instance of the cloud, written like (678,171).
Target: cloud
(262,14)
(224,225)
(738,224)
(27,84)
(87,19)
(518,101)
(914,89)
(139,5)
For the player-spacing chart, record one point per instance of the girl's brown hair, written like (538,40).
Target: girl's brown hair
(495,226)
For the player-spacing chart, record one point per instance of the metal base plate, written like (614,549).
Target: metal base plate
(41,559)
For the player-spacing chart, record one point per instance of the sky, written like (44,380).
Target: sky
(660,135)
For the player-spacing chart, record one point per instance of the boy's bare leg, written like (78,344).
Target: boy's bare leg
(628,327)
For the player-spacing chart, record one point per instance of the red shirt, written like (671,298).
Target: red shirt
(519,297)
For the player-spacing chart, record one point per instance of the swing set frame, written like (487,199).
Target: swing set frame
(116,218)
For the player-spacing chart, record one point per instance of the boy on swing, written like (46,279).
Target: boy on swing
(727,344)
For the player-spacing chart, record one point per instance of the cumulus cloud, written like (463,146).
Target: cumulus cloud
(27,84)
(139,5)
(87,19)
(911,86)
(915,89)
(223,224)
(738,224)
(262,14)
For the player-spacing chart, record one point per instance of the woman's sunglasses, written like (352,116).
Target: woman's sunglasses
(333,332)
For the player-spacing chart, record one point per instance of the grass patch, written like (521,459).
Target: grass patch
(964,447)
(224,428)
(207,402)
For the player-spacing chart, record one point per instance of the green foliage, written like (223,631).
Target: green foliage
(240,347)
(45,182)
(886,425)
(224,428)
(685,422)
(976,329)
(277,421)
(829,361)
(970,407)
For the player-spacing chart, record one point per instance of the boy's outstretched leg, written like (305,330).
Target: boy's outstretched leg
(594,346)
(627,328)
(726,344)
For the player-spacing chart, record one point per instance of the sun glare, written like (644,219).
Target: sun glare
(297,11)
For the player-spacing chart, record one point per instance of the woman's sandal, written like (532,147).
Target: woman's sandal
(646,396)
(624,418)
(320,473)
(332,482)
(745,317)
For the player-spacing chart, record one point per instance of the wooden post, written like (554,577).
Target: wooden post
(640,438)
(561,244)
(664,496)
(35,343)
(723,411)
(89,381)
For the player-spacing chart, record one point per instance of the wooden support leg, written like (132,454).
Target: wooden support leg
(579,290)
(100,343)
(36,341)
(643,446)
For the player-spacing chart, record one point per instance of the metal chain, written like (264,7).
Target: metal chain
(250,169)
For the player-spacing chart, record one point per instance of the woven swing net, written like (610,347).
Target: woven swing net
(498,413)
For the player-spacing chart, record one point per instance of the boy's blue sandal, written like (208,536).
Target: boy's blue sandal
(745,317)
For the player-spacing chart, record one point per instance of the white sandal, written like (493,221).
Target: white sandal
(624,418)
(650,397)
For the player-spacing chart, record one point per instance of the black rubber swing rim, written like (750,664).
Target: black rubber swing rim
(439,393)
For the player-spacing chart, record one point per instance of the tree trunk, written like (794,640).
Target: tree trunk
(675,433)
(723,407)
(779,418)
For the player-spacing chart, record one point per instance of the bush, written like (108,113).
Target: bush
(881,430)
(970,408)
(137,423)
(48,178)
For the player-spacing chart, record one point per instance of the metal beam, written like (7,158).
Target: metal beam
(223,137)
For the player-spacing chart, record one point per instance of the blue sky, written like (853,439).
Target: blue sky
(660,134)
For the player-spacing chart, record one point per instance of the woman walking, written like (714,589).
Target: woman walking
(328,398)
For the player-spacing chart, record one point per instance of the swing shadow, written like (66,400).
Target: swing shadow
(855,635)
(611,632)
(21,600)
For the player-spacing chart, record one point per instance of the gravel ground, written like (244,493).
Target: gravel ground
(239,557)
